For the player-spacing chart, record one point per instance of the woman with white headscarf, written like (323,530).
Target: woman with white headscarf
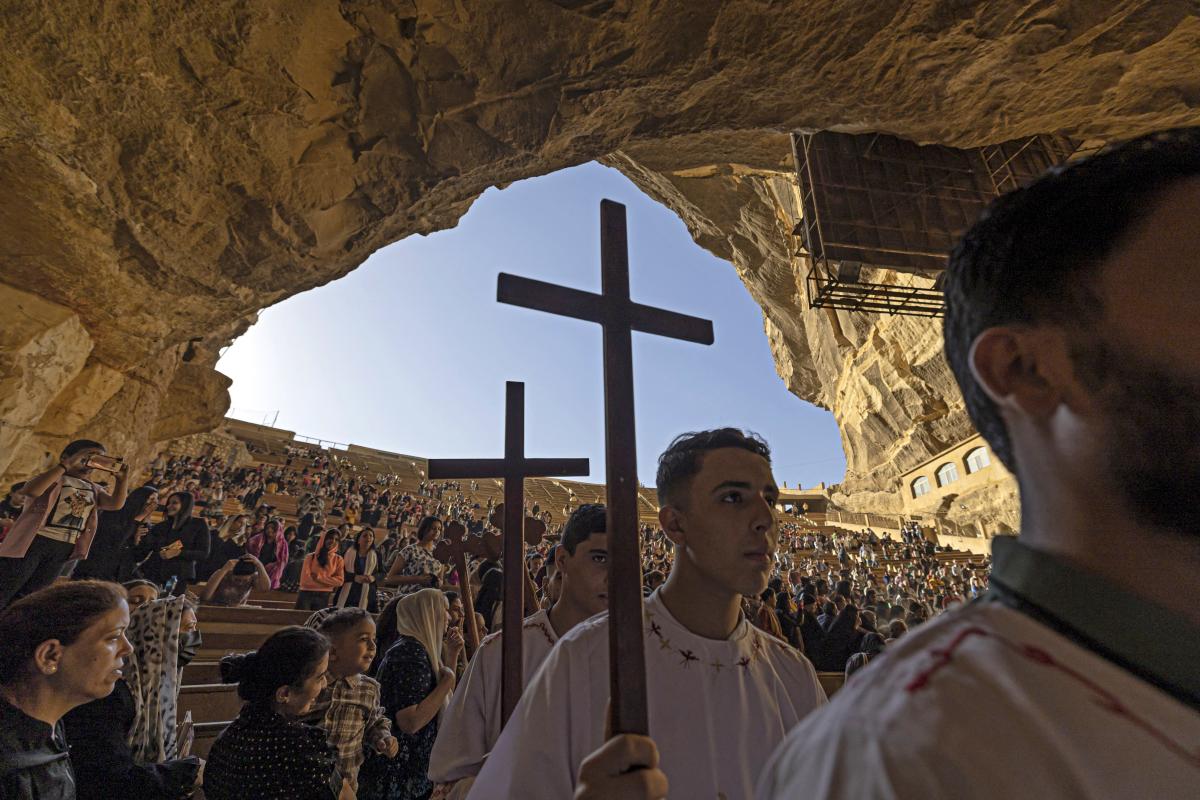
(415,686)
(124,745)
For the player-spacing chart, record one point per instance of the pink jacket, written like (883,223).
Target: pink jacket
(33,517)
(274,570)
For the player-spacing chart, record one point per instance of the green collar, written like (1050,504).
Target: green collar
(1156,644)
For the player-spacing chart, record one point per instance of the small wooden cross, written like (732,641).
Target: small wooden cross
(454,552)
(514,468)
(619,316)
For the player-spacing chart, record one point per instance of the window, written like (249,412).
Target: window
(920,486)
(947,473)
(977,459)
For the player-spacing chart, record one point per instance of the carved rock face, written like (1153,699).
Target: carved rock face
(170,171)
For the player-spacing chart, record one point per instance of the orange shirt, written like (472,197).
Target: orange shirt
(315,578)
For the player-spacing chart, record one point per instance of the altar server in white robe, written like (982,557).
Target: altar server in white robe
(471,724)
(722,693)
(1072,330)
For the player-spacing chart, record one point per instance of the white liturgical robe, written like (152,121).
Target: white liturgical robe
(470,725)
(985,702)
(717,710)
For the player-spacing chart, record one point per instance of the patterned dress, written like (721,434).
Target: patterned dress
(406,676)
(265,756)
(419,561)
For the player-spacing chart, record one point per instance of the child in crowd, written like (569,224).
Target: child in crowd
(348,708)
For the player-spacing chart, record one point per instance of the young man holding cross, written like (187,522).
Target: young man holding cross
(721,692)
(472,722)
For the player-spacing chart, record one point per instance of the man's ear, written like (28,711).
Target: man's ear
(48,656)
(674,523)
(282,695)
(1024,370)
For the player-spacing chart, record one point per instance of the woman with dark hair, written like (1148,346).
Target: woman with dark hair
(62,647)
(124,745)
(267,752)
(111,557)
(271,549)
(361,562)
(323,572)
(415,567)
(176,544)
(490,599)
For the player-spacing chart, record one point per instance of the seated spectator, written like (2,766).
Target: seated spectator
(489,601)
(360,563)
(10,507)
(872,645)
(175,545)
(415,685)
(58,521)
(112,558)
(267,752)
(322,573)
(896,629)
(415,567)
(231,585)
(271,549)
(226,543)
(124,745)
(62,647)
(840,642)
(140,591)
(654,579)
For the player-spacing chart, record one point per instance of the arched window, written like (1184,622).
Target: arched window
(920,486)
(947,473)
(977,459)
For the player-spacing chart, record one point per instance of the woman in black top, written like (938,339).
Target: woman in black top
(176,544)
(124,745)
(39,685)
(111,557)
(267,753)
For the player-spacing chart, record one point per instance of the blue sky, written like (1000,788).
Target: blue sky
(410,352)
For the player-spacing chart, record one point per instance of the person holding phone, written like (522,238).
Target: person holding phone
(176,544)
(59,518)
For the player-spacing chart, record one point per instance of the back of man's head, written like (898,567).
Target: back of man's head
(681,461)
(1035,255)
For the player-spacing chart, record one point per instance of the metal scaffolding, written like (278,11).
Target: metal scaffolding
(881,202)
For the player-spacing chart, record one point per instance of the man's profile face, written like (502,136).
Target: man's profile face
(584,575)
(728,522)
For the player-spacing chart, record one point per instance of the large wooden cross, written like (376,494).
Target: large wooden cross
(619,316)
(514,468)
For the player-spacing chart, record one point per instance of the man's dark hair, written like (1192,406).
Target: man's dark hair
(589,518)
(680,462)
(1034,255)
(79,445)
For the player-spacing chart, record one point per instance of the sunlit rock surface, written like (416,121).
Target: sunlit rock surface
(171,168)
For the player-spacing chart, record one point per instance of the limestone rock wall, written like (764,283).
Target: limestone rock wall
(170,168)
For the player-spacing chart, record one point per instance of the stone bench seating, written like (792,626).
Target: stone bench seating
(200,672)
(215,617)
(209,702)
(831,681)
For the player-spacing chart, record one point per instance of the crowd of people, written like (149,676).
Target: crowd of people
(1059,640)
(171,547)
